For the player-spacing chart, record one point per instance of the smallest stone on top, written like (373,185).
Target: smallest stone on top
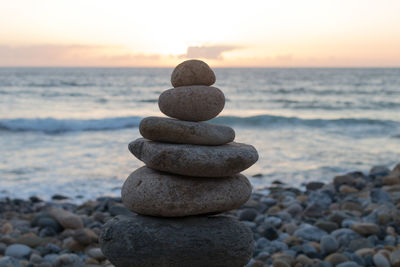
(192,98)
(192,72)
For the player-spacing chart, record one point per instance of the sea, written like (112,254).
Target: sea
(66,130)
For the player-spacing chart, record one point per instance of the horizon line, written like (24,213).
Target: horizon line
(219,67)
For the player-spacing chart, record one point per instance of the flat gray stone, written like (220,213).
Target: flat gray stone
(311,233)
(192,72)
(9,262)
(155,193)
(18,251)
(192,103)
(193,160)
(185,132)
(142,241)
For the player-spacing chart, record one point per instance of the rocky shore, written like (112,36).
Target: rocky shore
(352,221)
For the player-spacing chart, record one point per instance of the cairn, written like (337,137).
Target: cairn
(192,173)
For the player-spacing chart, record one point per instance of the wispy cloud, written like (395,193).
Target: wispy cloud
(208,52)
(73,55)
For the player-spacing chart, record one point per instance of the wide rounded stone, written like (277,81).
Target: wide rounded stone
(192,72)
(216,241)
(18,251)
(185,132)
(192,103)
(150,192)
(193,160)
(366,228)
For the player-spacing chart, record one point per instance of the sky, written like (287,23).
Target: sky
(265,33)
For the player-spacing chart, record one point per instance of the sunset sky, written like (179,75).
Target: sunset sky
(284,33)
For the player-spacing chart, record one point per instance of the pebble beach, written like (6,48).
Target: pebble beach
(352,221)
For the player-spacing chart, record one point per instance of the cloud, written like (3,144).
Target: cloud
(73,55)
(208,52)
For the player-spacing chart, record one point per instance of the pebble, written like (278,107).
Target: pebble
(346,189)
(270,233)
(379,171)
(2,248)
(395,258)
(380,196)
(363,252)
(348,264)
(314,210)
(294,209)
(18,251)
(326,225)
(380,260)
(96,253)
(6,228)
(192,72)
(280,263)
(67,219)
(273,221)
(150,192)
(328,244)
(30,239)
(51,258)
(248,214)
(336,258)
(9,262)
(185,132)
(193,160)
(303,259)
(311,233)
(192,103)
(35,259)
(69,260)
(366,228)
(315,185)
(359,243)
(344,236)
(85,236)
(49,223)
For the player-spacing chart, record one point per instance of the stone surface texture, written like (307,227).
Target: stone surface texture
(150,192)
(193,160)
(216,241)
(192,72)
(192,103)
(185,132)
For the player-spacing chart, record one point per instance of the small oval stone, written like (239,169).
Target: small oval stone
(192,103)
(185,132)
(194,160)
(154,193)
(192,72)
(143,241)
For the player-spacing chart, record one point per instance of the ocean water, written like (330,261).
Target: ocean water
(66,130)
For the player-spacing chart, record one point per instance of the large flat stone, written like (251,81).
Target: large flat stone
(193,160)
(155,193)
(143,241)
(185,132)
(192,72)
(192,103)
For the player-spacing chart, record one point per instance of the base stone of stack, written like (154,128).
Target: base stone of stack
(193,160)
(185,132)
(150,192)
(215,241)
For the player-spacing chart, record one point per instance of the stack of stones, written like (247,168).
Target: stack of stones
(192,168)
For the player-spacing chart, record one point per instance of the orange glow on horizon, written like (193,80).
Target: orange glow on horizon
(285,33)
